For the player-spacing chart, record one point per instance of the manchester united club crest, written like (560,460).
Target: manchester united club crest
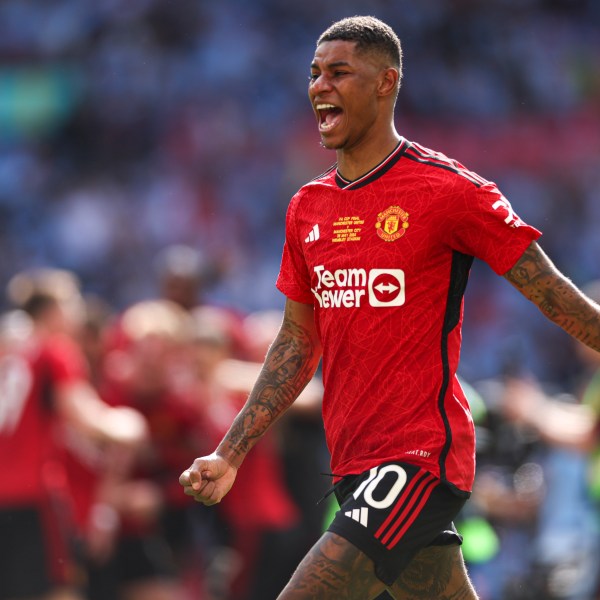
(392,223)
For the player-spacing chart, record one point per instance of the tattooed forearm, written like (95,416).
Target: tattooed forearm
(540,281)
(289,365)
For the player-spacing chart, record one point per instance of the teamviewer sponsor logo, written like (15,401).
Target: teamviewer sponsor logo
(386,287)
(349,288)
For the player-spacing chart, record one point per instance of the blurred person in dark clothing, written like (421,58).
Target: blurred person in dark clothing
(500,522)
(568,424)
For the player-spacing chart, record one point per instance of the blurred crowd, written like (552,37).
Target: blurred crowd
(148,150)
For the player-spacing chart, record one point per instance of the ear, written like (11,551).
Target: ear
(388,82)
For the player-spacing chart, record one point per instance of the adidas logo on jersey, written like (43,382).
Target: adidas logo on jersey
(360,515)
(314,235)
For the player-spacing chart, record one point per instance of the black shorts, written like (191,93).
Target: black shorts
(36,554)
(393,511)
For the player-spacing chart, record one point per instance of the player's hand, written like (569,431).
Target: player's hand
(208,479)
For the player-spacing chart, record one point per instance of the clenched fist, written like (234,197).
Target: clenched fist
(208,479)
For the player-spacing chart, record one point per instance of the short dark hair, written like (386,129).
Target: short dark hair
(370,34)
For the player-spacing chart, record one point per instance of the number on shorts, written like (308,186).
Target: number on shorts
(369,485)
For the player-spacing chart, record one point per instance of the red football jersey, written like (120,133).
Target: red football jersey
(385,261)
(31,457)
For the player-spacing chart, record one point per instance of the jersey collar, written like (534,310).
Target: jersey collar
(376,172)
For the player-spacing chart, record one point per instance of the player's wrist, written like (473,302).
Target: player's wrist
(231,456)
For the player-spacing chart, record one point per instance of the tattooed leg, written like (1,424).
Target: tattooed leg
(333,569)
(436,572)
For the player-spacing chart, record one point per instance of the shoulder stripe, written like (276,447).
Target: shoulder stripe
(425,156)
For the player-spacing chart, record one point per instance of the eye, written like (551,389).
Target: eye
(313,76)
(340,73)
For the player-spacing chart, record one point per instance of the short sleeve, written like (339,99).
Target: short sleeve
(482,223)
(294,278)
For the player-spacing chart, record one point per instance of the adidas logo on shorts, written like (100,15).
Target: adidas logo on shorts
(360,515)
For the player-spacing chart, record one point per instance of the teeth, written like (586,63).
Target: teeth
(325,106)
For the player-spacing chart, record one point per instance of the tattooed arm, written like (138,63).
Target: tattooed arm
(289,365)
(536,277)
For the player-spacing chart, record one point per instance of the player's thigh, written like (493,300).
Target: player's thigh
(435,572)
(333,569)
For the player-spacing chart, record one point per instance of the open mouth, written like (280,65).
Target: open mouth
(329,116)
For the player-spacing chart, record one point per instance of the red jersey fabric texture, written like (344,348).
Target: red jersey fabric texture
(28,423)
(385,261)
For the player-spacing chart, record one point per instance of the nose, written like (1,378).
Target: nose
(320,84)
